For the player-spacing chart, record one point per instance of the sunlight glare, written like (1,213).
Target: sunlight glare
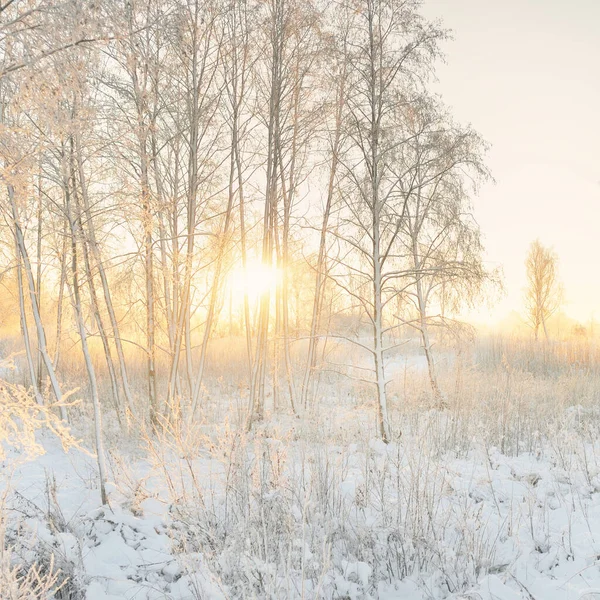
(255,280)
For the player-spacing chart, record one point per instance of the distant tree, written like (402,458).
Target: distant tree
(544,294)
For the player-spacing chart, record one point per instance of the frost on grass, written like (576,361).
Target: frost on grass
(501,502)
(21,416)
(279,514)
(28,570)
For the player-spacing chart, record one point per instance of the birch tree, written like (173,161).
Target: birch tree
(18,156)
(338,49)
(543,296)
(289,70)
(437,169)
(74,222)
(197,47)
(392,52)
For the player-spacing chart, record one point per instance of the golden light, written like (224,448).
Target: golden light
(255,280)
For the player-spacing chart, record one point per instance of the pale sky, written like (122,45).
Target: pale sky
(526,74)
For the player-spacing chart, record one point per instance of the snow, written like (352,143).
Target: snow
(481,525)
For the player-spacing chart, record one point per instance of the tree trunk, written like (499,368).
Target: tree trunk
(257,386)
(183,329)
(73,226)
(240,184)
(38,275)
(214,289)
(423,326)
(25,330)
(94,304)
(61,291)
(149,269)
(375,100)
(99,264)
(313,340)
(285,265)
(41,335)
(382,414)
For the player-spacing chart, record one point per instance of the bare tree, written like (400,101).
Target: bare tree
(544,293)
(25,331)
(74,222)
(41,333)
(338,47)
(196,49)
(393,49)
(276,24)
(44,29)
(239,63)
(288,72)
(138,172)
(437,170)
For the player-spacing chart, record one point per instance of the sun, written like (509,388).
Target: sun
(255,280)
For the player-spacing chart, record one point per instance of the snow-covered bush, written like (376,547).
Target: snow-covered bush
(21,416)
(28,570)
(277,518)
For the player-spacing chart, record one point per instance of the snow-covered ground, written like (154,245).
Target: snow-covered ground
(288,513)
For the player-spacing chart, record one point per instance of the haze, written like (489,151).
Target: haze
(251,340)
(526,74)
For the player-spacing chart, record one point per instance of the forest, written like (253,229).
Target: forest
(237,247)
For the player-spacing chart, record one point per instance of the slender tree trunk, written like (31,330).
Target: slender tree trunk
(313,340)
(257,386)
(163,246)
(149,267)
(285,266)
(94,304)
(162,232)
(41,335)
(25,330)
(288,200)
(99,264)
(235,146)
(139,79)
(61,291)
(38,275)
(375,100)
(174,382)
(277,333)
(439,399)
(423,326)
(216,285)
(378,354)
(247,320)
(183,330)
(73,226)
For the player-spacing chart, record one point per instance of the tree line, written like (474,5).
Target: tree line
(150,147)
